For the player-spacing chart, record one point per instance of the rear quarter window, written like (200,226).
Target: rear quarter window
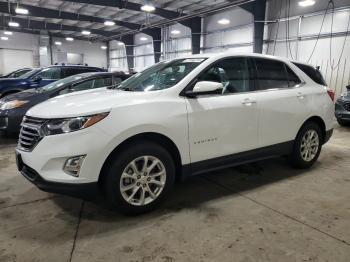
(313,73)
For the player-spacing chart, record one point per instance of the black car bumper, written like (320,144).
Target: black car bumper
(10,121)
(342,110)
(85,191)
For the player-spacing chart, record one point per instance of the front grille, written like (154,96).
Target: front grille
(347,106)
(30,134)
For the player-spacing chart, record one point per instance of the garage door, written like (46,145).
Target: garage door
(11,60)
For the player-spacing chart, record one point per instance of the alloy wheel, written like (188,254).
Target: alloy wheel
(310,143)
(143,180)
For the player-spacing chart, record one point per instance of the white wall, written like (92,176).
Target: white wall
(176,45)
(23,42)
(331,54)
(238,35)
(117,56)
(143,52)
(92,53)
(11,60)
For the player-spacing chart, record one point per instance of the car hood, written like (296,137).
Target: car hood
(88,103)
(11,81)
(24,95)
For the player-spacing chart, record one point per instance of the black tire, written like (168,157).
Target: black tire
(121,160)
(295,158)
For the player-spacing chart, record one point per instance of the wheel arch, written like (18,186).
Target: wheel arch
(320,122)
(157,138)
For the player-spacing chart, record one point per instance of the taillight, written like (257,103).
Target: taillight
(331,94)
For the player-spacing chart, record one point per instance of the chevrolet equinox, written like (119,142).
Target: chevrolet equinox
(175,119)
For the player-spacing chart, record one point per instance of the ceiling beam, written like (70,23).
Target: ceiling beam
(42,25)
(122,4)
(57,14)
(35,32)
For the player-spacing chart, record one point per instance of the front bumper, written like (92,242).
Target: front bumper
(85,190)
(10,120)
(43,166)
(341,112)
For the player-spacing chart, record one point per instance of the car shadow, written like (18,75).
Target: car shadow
(189,196)
(8,139)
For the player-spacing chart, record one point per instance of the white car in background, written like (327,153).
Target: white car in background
(175,119)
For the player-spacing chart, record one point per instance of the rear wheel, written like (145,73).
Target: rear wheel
(307,146)
(140,178)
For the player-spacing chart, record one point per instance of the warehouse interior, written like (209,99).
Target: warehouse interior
(261,211)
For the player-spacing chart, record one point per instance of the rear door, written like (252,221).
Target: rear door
(283,102)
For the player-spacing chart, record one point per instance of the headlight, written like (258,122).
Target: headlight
(60,126)
(12,104)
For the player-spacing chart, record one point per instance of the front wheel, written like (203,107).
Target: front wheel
(307,146)
(140,178)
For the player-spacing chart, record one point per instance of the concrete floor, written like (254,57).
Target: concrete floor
(260,212)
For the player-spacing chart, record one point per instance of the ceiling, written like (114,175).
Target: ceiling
(95,8)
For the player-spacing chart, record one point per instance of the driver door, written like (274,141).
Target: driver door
(224,123)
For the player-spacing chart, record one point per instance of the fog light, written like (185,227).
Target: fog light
(72,165)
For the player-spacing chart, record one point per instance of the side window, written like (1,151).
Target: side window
(72,71)
(313,73)
(88,84)
(233,73)
(102,82)
(271,74)
(52,73)
(293,79)
(117,81)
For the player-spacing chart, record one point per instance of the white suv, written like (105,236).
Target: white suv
(175,119)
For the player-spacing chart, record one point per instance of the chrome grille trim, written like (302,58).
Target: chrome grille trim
(30,135)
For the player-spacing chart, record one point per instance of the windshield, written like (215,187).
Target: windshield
(29,74)
(60,83)
(161,76)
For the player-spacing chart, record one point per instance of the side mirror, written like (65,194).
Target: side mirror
(205,88)
(37,79)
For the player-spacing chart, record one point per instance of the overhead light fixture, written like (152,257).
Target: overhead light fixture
(8,33)
(85,32)
(70,39)
(148,8)
(104,47)
(175,32)
(143,38)
(13,24)
(58,43)
(21,11)
(224,21)
(120,43)
(4,38)
(109,23)
(306,3)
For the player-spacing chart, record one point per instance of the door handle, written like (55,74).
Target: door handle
(300,95)
(248,102)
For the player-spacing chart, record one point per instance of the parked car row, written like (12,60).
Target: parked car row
(14,106)
(175,119)
(41,77)
(17,73)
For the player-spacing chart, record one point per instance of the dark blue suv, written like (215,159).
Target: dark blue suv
(41,77)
